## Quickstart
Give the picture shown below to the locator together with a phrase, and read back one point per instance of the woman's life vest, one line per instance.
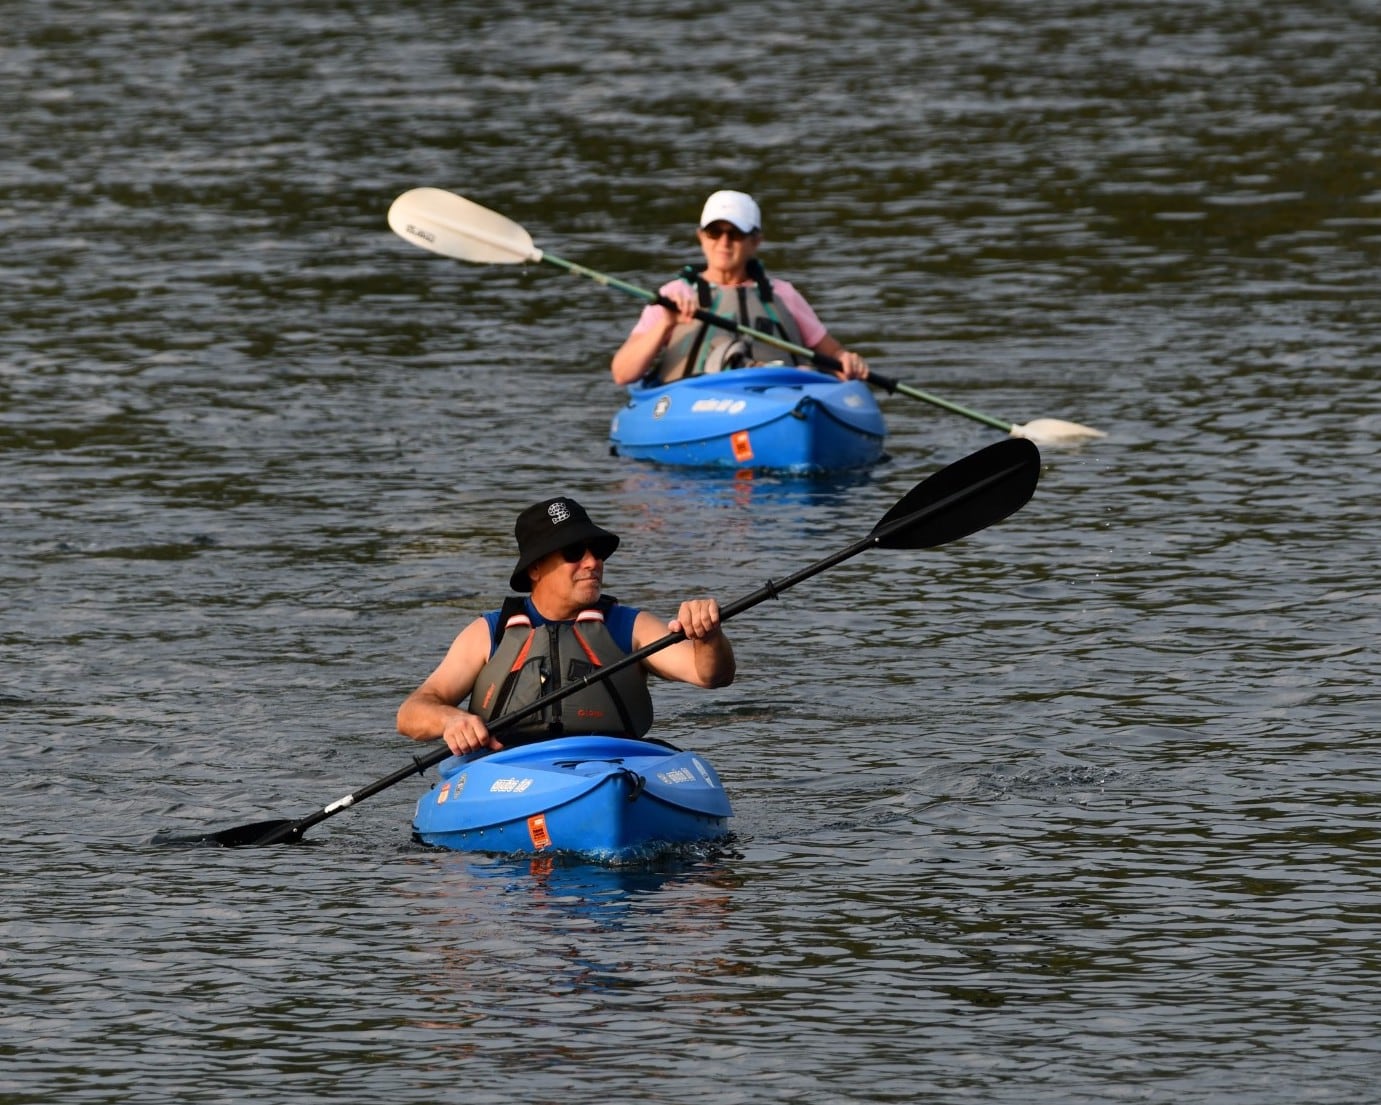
(699, 347)
(529, 661)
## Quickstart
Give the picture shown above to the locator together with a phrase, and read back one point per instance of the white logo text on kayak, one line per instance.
(718, 406)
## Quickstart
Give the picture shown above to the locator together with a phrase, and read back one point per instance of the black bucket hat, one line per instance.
(553, 524)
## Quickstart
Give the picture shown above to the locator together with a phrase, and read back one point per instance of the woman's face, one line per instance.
(726, 247)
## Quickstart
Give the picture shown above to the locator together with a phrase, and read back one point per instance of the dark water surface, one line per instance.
(1081, 809)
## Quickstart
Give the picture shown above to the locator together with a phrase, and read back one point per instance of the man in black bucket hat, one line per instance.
(551, 525)
(559, 631)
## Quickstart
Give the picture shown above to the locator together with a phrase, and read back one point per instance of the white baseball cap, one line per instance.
(733, 207)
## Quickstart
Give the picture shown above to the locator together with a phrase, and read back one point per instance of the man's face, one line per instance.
(573, 575)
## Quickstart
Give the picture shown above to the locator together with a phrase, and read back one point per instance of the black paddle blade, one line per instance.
(242, 836)
(969, 495)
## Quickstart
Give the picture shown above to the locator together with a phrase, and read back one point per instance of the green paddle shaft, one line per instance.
(453, 226)
(819, 360)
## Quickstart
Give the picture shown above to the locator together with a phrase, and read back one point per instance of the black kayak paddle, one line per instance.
(971, 494)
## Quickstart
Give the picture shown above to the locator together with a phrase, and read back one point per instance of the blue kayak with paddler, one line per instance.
(611, 797)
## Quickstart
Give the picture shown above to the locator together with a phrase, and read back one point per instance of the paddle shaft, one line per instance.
(420, 764)
(769, 590)
(443, 222)
(962, 498)
(819, 360)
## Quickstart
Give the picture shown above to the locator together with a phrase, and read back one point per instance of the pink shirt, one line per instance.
(785, 296)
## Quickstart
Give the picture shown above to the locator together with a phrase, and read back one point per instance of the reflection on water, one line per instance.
(1077, 809)
(599, 894)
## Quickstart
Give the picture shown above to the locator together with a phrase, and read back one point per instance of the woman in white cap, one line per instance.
(667, 345)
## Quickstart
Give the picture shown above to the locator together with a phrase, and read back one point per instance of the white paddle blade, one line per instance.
(1055, 431)
(453, 226)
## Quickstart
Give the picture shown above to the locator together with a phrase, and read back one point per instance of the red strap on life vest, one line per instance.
(589, 652)
(521, 658)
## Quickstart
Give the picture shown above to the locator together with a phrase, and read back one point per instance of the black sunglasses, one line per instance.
(718, 230)
(574, 554)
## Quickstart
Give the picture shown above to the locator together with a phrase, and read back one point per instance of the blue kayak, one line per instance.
(775, 417)
(606, 798)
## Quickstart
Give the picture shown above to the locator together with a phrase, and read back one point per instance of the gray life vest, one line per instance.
(696, 348)
(530, 661)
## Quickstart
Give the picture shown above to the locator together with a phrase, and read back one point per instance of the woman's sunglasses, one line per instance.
(719, 230)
